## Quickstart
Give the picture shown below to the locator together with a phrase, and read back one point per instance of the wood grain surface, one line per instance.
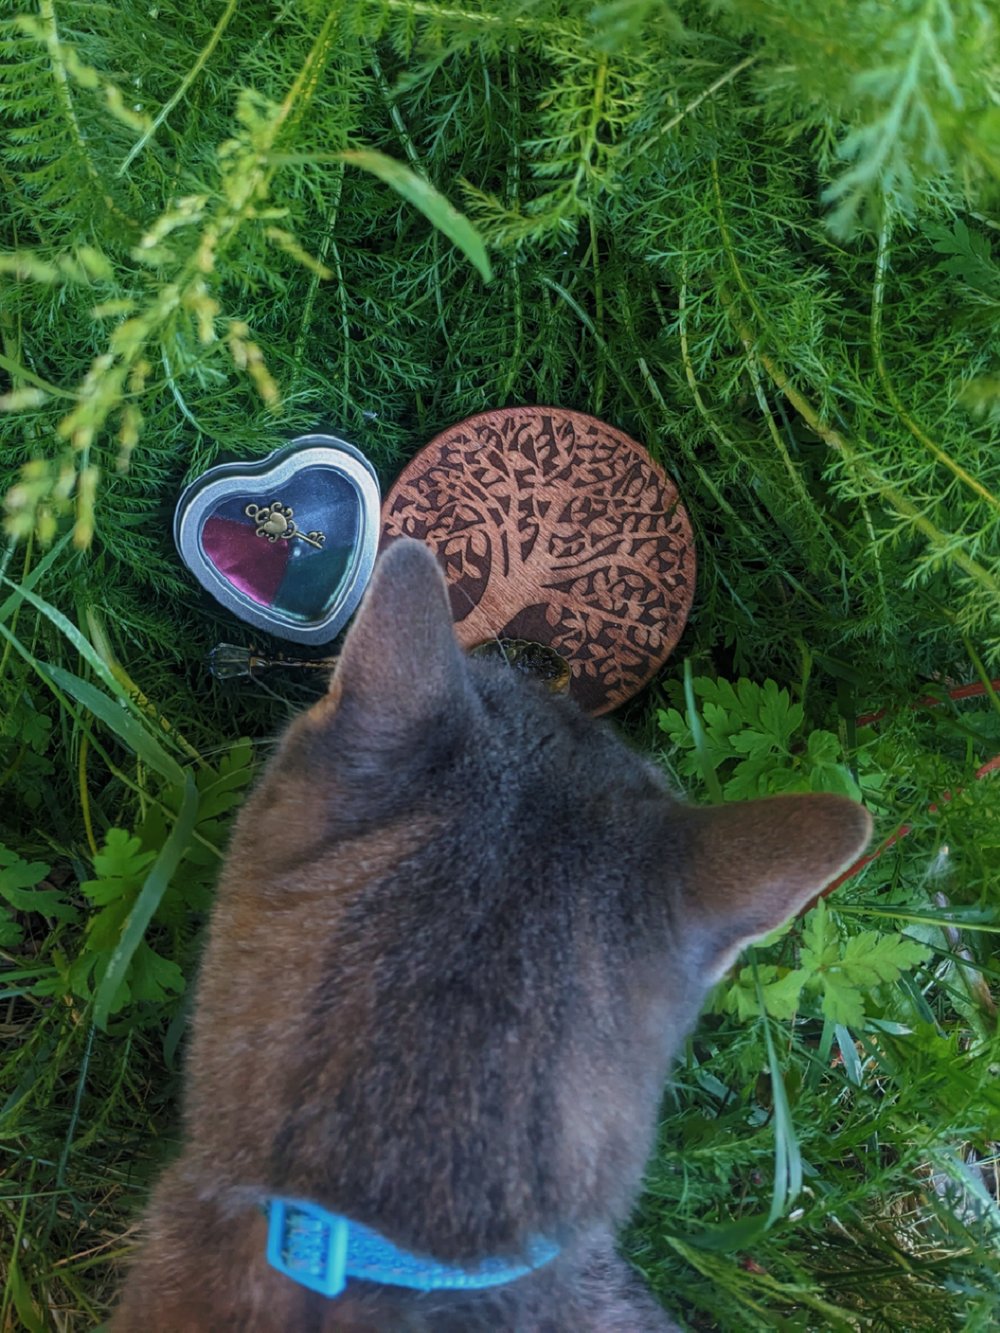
(554, 527)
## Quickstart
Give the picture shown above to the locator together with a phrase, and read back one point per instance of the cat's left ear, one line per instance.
(401, 664)
(755, 863)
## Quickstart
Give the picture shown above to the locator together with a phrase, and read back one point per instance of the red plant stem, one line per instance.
(931, 700)
(991, 766)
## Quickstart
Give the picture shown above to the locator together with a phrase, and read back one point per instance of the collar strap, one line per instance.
(321, 1250)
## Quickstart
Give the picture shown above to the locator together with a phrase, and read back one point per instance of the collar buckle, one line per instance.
(308, 1244)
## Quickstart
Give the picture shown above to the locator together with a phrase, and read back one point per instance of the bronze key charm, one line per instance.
(275, 522)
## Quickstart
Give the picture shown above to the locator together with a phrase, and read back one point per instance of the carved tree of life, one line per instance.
(554, 527)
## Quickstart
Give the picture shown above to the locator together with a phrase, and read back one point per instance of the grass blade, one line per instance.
(66, 627)
(434, 206)
(698, 736)
(14, 600)
(963, 918)
(24, 1302)
(849, 1055)
(125, 726)
(146, 903)
(787, 1157)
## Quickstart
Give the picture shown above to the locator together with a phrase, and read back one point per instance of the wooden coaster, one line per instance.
(554, 527)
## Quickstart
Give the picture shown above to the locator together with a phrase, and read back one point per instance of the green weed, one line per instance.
(758, 236)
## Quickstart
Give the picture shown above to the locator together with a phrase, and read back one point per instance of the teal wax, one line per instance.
(312, 580)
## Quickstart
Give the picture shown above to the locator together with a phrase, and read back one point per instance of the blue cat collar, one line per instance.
(321, 1250)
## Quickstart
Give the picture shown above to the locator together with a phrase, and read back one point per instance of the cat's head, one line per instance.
(463, 929)
(527, 788)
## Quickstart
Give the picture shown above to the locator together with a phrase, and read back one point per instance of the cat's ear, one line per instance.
(400, 662)
(756, 862)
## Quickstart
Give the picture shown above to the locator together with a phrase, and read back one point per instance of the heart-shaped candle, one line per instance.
(287, 543)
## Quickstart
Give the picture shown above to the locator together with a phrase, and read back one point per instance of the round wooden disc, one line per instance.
(554, 527)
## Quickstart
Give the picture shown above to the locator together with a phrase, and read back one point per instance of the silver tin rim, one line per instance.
(306, 451)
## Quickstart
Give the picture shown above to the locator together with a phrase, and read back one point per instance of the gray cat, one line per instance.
(460, 934)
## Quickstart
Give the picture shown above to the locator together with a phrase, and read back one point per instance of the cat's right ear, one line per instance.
(755, 863)
(401, 664)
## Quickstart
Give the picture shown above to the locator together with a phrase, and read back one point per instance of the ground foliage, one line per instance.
(760, 235)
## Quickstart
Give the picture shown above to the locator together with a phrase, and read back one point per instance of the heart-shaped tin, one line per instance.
(286, 543)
